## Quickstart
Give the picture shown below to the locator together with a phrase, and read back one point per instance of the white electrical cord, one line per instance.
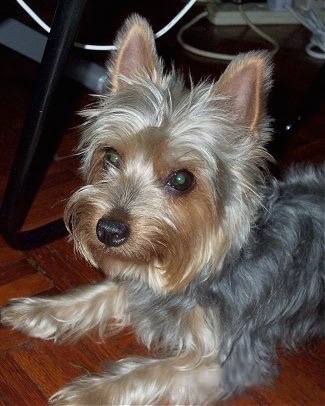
(46, 28)
(258, 31)
(216, 55)
(310, 20)
(198, 51)
(33, 15)
(175, 19)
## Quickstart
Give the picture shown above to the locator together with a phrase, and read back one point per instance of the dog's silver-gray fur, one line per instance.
(271, 292)
(213, 279)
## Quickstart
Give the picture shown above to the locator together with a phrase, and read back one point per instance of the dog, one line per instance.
(211, 260)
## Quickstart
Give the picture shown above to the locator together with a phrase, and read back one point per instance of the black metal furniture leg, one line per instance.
(24, 180)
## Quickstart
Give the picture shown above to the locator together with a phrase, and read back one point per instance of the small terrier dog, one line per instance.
(212, 261)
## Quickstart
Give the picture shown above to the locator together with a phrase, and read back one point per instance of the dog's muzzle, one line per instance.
(112, 232)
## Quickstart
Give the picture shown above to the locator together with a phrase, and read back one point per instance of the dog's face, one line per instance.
(171, 174)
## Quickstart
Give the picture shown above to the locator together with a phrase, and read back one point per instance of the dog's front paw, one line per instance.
(31, 316)
(87, 390)
(142, 381)
(104, 389)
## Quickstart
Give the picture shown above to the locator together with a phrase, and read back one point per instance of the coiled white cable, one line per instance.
(217, 55)
(312, 22)
(90, 47)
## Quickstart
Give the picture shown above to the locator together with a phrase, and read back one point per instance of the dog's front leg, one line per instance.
(68, 315)
(140, 381)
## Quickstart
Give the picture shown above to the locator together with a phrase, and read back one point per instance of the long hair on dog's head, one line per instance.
(175, 171)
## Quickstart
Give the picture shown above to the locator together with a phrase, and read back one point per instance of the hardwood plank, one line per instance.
(10, 338)
(15, 270)
(43, 366)
(16, 387)
(61, 266)
(49, 204)
(51, 365)
(8, 255)
(291, 388)
(307, 361)
(26, 286)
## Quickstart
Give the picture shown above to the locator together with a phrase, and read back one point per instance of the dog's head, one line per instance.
(172, 174)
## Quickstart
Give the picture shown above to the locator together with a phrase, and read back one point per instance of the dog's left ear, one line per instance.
(246, 82)
(136, 53)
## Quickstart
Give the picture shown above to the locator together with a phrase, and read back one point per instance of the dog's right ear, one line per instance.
(136, 53)
(246, 82)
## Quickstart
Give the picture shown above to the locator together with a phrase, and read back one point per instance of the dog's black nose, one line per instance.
(112, 232)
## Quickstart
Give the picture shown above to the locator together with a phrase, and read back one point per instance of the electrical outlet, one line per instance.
(258, 13)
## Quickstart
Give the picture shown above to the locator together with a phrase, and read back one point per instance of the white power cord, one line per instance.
(33, 15)
(258, 31)
(89, 47)
(307, 17)
(198, 51)
(216, 55)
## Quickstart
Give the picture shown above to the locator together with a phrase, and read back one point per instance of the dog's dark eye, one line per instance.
(112, 158)
(181, 181)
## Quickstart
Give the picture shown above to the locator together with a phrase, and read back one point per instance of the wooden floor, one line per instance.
(31, 370)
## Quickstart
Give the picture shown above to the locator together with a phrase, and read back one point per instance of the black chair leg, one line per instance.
(24, 179)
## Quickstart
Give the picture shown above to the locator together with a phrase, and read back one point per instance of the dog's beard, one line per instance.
(168, 244)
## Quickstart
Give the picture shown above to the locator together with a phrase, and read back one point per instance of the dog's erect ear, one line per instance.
(136, 53)
(246, 82)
